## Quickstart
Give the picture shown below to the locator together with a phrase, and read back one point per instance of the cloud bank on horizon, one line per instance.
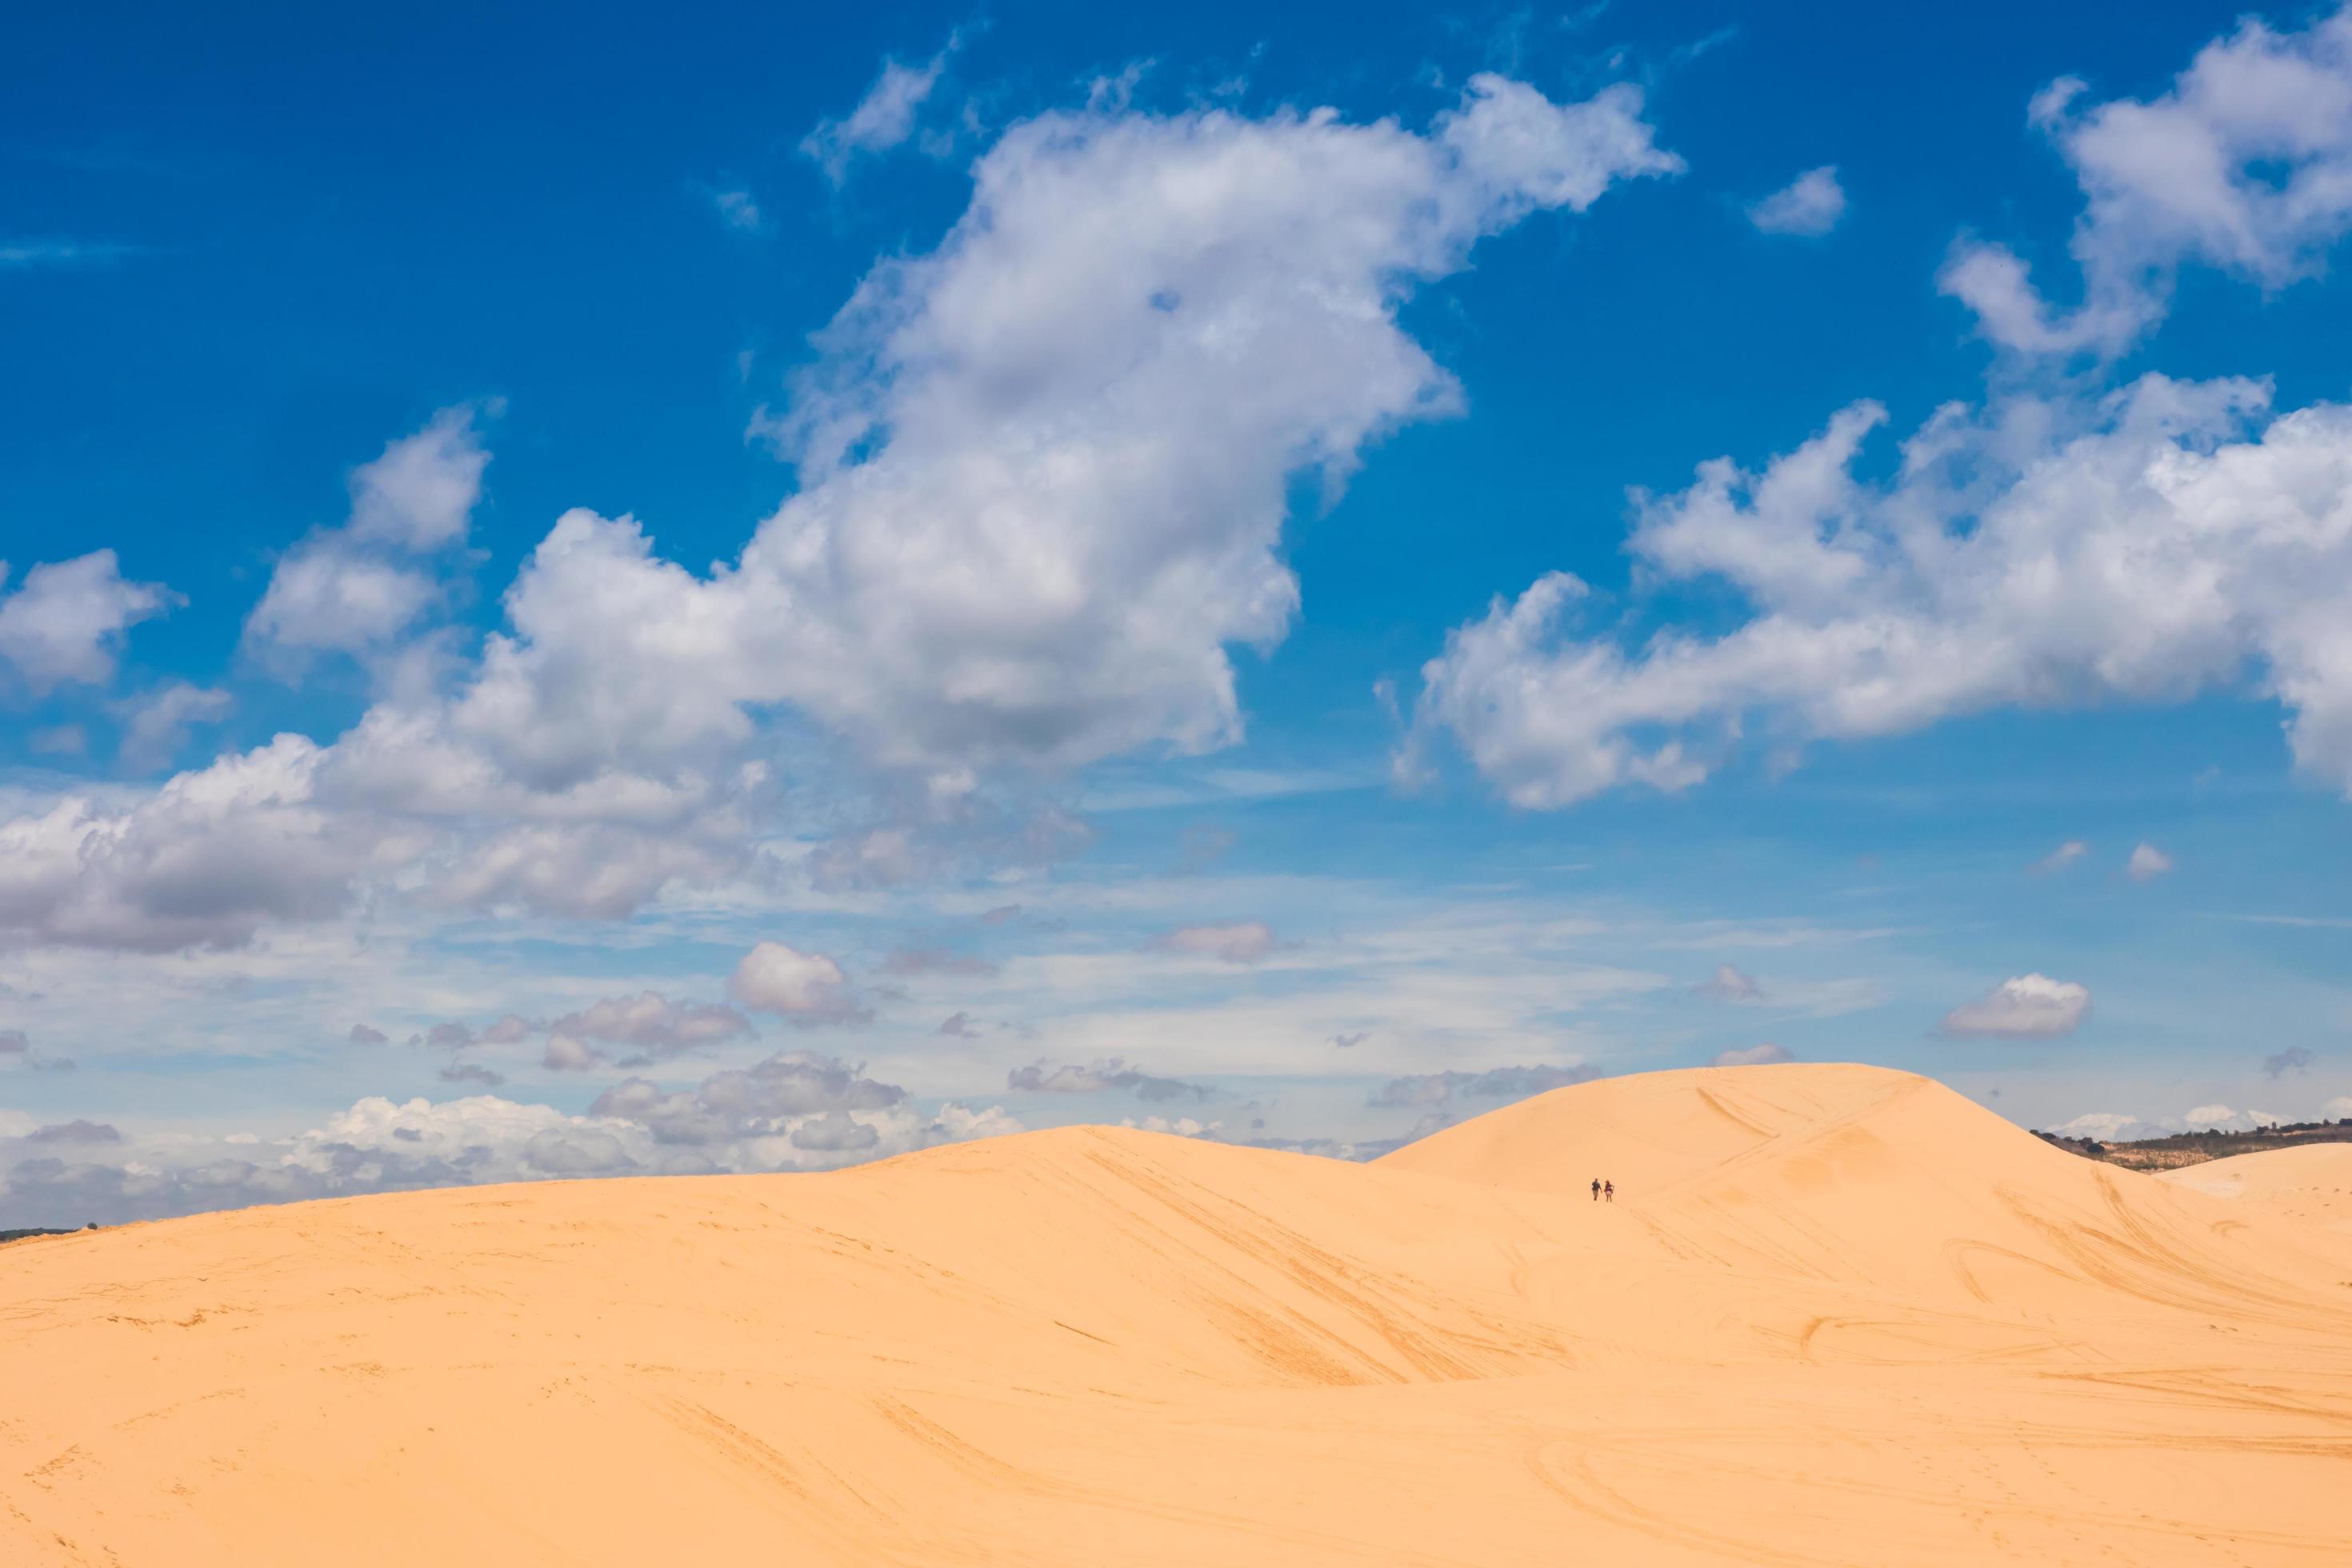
(1063, 480)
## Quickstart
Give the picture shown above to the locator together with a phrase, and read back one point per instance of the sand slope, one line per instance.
(1838, 1315)
(2311, 1183)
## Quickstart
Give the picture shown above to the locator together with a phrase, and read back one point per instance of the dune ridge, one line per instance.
(1837, 1315)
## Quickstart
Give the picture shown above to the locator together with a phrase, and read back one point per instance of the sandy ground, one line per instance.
(2311, 1183)
(1837, 1315)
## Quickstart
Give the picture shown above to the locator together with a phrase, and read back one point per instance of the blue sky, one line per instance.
(801, 586)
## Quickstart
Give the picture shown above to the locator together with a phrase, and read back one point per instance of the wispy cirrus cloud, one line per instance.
(1242, 941)
(1752, 1055)
(1730, 984)
(2294, 1058)
(883, 117)
(1426, 1090)
(2058, 859)
(738, 210)
(29, 254)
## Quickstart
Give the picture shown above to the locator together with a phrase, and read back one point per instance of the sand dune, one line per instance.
(2311, 1183)
(1838, 1315)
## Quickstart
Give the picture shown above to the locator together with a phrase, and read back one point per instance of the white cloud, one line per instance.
(1730, 984)
(2029, 1007)
(1181, 1127)
(2223, 1118)
(1507, 1083)
(2106, 1127)
(805, 988)
(2065, 855)
(2244, 164)
(202, 861)
(878, 858)
(835, 1133)
(1042, 1077)
(883, 117)
(2147, 863)
(1089, 402)
(793, 1105)
(568, 1053)
(438, 796)
(499, 1139)
(1045, 467)
(736, 209)
(1244, 942)
(908, 961)
(358, 587)
(322, 597)
(653, 1023)
(78, 1130)
(953, 823)
(64, 624)
(1810, 204)
(376, 1145)
(419, 496)
(2294, 1058)
(155, 724)
(32, 253)
(1432, 985)
(60, 741)
(1752, 1055)
(595, 870)
(2337, 1109)
(2157, 541)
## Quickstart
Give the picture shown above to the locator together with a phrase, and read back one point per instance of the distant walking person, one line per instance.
(1596, 1189)
(1610, 1188)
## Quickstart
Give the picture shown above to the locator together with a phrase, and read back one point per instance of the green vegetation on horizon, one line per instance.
(2194, 1148)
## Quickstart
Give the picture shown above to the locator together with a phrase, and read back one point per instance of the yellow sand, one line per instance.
(2311, 1183)
(1837, 1315)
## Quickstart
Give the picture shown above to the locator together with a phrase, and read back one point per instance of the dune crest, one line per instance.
(1838, 1315)
(1650, 1131)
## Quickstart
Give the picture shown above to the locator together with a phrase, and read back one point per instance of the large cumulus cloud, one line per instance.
(1045, 467)
(2170, 538)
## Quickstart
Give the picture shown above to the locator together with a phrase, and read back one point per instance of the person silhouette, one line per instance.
(1596, 1189)
(1610, 1189)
